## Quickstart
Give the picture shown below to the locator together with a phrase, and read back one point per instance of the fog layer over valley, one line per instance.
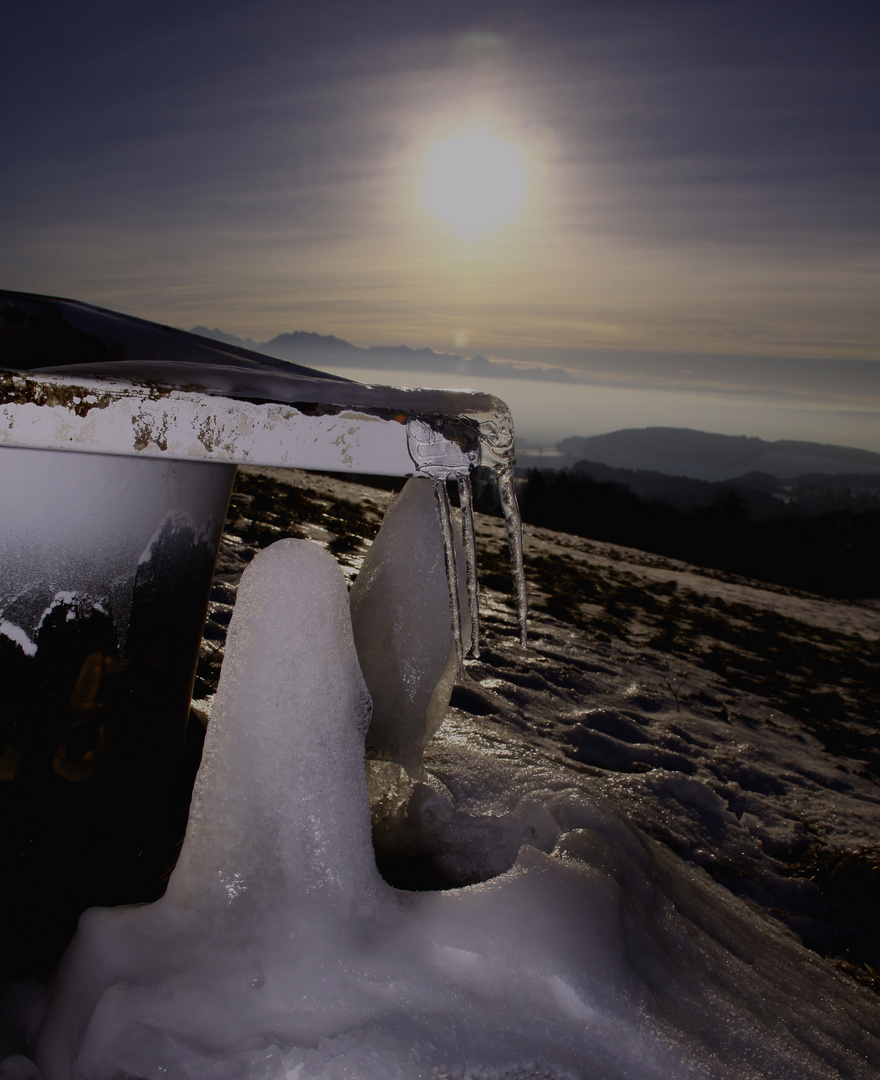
(561, 395)
(644, 846)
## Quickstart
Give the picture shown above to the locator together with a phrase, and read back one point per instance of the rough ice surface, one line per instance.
(402, 626)
(278, 953)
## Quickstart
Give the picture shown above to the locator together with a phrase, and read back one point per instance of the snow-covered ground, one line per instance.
(622, 838)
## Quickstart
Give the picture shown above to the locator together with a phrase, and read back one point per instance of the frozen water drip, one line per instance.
(466, 503)
(444, 513)
(513, 520)
(444, 448)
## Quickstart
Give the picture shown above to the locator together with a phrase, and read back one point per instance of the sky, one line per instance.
(697, 226)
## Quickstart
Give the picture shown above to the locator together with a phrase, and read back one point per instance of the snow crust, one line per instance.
(278, 951)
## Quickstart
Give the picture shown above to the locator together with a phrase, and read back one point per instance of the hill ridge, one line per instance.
(702, 455)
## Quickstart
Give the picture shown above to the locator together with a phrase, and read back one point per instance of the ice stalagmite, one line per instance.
(403, 629)
(299, 738)
(277, 854)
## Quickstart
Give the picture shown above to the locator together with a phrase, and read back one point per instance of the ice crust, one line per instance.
(278, 952)
(405, 641)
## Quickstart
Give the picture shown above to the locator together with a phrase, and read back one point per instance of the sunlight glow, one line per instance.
(474, 182)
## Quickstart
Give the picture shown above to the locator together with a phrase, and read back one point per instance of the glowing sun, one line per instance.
(474, 182)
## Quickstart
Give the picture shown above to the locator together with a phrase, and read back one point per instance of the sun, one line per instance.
(474, 182)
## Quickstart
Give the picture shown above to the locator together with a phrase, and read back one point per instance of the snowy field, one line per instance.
(647, 846)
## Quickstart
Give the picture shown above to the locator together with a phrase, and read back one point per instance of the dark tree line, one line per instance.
(834, 554)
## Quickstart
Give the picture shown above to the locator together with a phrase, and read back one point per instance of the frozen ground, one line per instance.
(666, 794)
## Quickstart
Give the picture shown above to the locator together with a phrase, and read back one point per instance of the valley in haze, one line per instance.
(834, 402)
(799, 512)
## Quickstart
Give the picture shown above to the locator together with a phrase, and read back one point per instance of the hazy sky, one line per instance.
(702, 178)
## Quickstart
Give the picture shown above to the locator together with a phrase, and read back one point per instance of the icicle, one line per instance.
(445, 514)
(443, 447)
(512, 518)
(465, 498)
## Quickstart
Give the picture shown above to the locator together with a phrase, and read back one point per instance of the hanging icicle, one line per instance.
(444, 512)
(466, 502)
(513, 520)
(444, 448)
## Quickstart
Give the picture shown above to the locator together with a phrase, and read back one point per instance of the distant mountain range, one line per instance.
(703, 456)
(319, 350)
(672, 452)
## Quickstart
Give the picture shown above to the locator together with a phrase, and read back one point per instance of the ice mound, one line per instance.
(280, 801)
(405, 643)
(278, 953)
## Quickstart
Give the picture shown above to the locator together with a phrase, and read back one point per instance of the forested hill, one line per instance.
(707, 456)
(832, 553)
